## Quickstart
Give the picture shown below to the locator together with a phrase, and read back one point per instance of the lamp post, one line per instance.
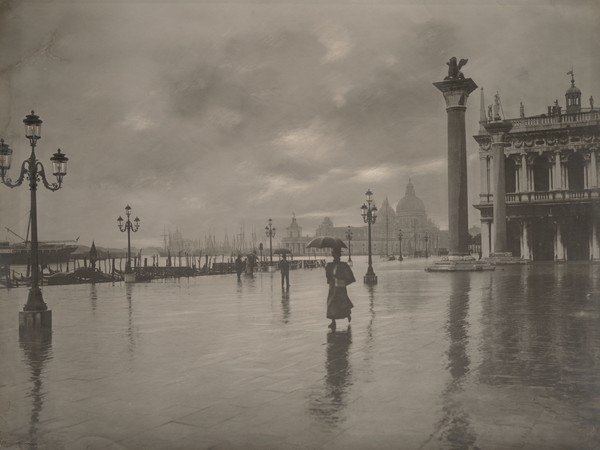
(426, 238)
(270, 232)
(35, 314)
(400, 258)
(129, 227)
(349, 237)
(369, 215)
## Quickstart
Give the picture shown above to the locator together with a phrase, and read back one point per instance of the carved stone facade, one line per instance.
(552, 183)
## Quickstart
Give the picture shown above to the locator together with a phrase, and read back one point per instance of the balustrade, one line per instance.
(545, 196)
(585, 116)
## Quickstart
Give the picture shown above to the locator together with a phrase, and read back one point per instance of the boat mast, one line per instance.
(20, 237)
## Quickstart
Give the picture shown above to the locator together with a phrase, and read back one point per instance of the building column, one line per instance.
(556, 173)
(497, 130)
(564, 179)
(594, 243)
(591, 170)
(523, 174)
(559, 247)
(594, 179)
(485, 239)
(483, 173)
(525, 249)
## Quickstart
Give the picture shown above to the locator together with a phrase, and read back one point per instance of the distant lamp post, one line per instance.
(349, 237)
(35, 314)
(369, 215)
(260, 249)
(426, 238)
(270, 232)
(127, 226)
(400, 258)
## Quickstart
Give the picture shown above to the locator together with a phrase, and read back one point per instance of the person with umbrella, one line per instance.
(239, 266)
(339, 275)
(284, 267)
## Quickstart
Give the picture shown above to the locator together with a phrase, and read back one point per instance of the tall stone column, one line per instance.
(456, 91)
(497, 130)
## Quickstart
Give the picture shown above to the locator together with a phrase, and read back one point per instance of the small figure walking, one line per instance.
(339, 275)
(284, 267)
(239, 267)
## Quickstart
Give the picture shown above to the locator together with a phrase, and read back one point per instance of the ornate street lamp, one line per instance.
(400, 258)
(426, 238)
(369, 215)
(129, 227)
(349, 237)
(35, 313)
(270, 232)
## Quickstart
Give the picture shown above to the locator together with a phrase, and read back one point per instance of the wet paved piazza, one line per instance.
(494, 360)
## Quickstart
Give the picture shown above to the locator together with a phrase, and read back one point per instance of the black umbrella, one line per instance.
(326, 242)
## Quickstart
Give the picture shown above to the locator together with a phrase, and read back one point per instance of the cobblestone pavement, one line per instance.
(497, 360)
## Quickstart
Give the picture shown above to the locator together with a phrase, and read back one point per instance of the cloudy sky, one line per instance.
(210, 115)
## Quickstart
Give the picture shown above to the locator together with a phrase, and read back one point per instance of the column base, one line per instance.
(457, 263)
(370, 278)
(34, 321)
(505, 258)
(130, 277)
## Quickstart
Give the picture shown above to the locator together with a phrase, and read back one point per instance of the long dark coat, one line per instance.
(338, 303)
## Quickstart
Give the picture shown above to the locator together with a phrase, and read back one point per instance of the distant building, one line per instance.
(419, 233)
(551, 178)
(293, 239)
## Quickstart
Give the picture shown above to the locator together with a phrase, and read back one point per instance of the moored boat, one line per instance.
(49, 252)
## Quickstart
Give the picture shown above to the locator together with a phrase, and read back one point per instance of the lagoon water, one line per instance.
(491, 360)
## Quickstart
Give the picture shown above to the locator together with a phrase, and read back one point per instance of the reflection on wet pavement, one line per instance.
(504, 359)
(37, 351)
(329, 403)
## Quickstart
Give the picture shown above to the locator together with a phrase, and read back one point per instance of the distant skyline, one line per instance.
(209, 115)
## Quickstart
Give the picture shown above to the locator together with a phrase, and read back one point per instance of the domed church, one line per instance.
(419, 233)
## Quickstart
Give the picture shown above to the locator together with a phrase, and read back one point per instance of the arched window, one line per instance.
(576, 172)
(510, 175)
(541, 174)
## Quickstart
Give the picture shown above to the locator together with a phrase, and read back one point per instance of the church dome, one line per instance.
(410, 203)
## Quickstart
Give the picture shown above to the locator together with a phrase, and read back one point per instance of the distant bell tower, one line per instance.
(573, 96)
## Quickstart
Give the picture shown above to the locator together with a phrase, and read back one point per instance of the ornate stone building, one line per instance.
(551, 182)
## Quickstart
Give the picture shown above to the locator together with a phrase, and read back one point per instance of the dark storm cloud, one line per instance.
(206, 115)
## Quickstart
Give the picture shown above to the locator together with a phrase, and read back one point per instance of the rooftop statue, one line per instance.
(454, 72)
(497, 107)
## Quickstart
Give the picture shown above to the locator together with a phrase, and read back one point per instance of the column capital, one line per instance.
(456, 92)
(498, 130)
